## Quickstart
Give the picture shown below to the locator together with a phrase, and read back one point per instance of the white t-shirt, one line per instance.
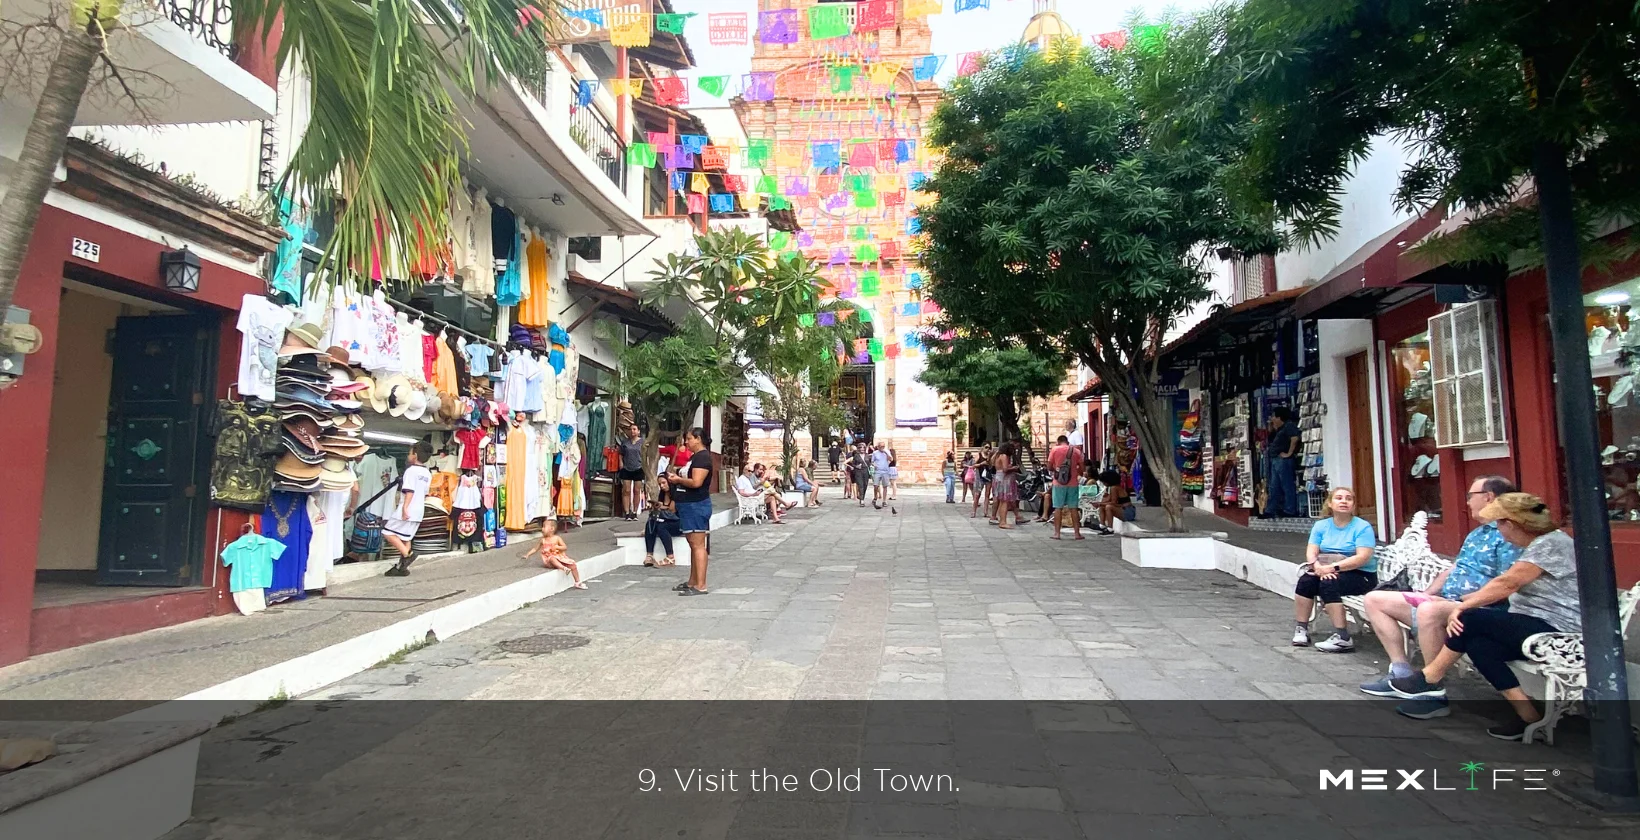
(744, 485)
(417, 480)
(1075, 437)
(262, 323)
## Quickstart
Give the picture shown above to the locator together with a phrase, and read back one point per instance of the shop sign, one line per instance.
(88, 251)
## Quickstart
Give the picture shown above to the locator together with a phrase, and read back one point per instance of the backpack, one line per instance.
(1063, 473)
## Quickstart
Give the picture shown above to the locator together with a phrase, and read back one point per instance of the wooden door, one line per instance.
(152, 505)
(1358, 382)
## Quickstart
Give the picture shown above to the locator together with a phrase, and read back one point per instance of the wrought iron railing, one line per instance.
(594, 134)
(211, 21)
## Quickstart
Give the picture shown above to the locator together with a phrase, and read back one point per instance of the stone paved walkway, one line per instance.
(1217, 729)
(926, 604)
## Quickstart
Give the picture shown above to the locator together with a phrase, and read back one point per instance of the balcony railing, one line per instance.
(594, 134)
(211, 21)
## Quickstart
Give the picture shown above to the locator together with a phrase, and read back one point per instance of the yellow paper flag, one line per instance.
(789, 153)
(699, 183)
(885, 72)
(922, 8)
(630, 29)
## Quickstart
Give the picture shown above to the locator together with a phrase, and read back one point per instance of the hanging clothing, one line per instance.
(247, 440)
(327, 511)
(597, 435)
(458, 363)
(286, 277)
(349, 328)
(517, 469)
(250, 564)
(509, 289)
(286, 519)
(535, 311)
(543, 475)
(443, 488)
(384, 336)
(461, 230)
(262, 326)
(478, 275)
(444, 368)
(377, 471)
(569, 482)
(429, 359)
(472, 447)
(410, 349)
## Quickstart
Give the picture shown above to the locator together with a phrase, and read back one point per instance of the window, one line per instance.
(1417, 460)
(1468, 395)
(1614, 359)
(589, 248)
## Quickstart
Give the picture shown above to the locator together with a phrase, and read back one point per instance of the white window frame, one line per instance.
(1447, 371)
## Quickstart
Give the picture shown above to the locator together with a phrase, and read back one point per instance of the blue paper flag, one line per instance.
(913, 280)
(695, 143)
(592, 16)
(970, 5)
(910, 309)
(583, 93)
(917, 180)
(723, 202)
(902, 151)
(828, 155)
(927, 67)
(680, 180)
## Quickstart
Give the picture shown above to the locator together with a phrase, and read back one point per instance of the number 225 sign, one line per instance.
(88, 251)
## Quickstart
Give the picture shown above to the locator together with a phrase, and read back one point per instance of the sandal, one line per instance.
(670, 561)
(649, 560)
(680, 587)
(690, 590)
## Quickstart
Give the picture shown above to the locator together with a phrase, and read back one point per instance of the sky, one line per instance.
(979, 29)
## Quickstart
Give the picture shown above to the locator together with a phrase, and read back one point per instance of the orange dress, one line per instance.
(518, 453)
(535, 310)
(444, 368)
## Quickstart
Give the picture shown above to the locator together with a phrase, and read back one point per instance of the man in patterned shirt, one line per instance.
(1485, 555)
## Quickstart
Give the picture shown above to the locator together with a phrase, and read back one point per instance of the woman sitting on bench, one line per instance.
(1338, 562)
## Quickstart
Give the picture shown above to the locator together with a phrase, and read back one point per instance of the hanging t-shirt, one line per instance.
(534, 376)
(478, 358)
(250, 561)
(472, 447)
(262, 326)
(410, 353)
(376, 471)
(429, 359)
(384, 336)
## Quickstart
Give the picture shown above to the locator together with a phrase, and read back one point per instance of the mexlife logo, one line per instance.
(1472, 775)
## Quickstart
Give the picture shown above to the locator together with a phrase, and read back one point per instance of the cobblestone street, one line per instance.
(927, 604)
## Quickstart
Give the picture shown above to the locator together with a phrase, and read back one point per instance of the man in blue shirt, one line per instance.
(1281, 466)
(1485, 555)
(879, 475)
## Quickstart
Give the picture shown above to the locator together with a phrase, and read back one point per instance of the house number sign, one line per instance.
(88, 251)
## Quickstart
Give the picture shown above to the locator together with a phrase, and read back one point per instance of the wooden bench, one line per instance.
(1558, 659)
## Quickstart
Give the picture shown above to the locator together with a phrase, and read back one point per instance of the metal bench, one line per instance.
(1558, 659)
(1409, 553)
(751, 507)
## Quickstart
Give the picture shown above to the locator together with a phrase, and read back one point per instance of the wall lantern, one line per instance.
(180, 269)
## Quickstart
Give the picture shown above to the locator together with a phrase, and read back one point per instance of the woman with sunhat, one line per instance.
(1541, 589)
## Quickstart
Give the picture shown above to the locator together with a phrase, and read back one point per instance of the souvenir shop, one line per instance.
(337, 385)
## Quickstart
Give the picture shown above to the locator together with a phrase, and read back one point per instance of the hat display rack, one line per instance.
(317, 402)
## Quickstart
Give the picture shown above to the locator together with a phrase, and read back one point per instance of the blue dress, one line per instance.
(285, 519)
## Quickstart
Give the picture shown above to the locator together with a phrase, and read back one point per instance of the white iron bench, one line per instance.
(1558, 659)
(751, 507)
(1409, 553)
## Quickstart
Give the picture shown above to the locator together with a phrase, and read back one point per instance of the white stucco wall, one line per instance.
(1368, 210)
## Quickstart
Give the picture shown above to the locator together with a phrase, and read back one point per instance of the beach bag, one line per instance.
(1062, 475)
(366, 535)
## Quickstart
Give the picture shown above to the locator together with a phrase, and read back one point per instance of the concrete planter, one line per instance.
(1154, 550)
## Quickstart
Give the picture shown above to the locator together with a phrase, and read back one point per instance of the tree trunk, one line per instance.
(1007, 416)
(788, 449)
(1607, 695)
(1149, 417)
(42, 148)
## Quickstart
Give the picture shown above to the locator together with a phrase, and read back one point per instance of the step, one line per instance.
(131, 780)
(1282, 525)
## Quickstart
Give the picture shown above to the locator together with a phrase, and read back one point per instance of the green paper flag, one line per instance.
(714, 85)
(875, 345)
(779, 202)
(870, 284)
(767, 185)
(859, 181)
(779, 240)
(757, 154)
(1149, 38)
(865, 199)
(866, 253)
(842, 78)
(640, 154)
(792, 256)
(827, 22)
(805, 320)
(860, 232)
(672, 23)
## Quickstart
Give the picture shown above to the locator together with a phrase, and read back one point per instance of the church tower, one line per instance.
(1046, 26)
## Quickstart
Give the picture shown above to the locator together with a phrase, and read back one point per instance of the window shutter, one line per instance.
(1464, 364)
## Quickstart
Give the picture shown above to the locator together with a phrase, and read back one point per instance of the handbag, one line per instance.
(1129, 513)
(366, 536)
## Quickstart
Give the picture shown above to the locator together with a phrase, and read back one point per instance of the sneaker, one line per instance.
(397, 571)
(1301, 637)
(1378, 688)
(1425, 708)
(1509, 730)
(1416, 686)
(1337, 644)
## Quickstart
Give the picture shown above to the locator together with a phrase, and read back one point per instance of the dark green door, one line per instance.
(152, 507)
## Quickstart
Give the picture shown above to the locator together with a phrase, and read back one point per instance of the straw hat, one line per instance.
(293, 467)
(342, 382)
(392, 395)
(338, 355)
(342, 446)
(335, 475)
(350, 422)
(366, 394)
(1524, 509)
(415, 404)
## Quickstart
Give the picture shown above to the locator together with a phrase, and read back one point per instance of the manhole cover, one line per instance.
(545, 643)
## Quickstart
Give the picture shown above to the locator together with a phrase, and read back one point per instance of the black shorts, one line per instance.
(630, 475)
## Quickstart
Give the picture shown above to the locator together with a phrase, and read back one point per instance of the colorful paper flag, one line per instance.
(827, 155)
(859, 232)
(695, 143)
(640, 154)
(672, 23)
(862, 155)
(759, 87)
(630, 29)
(779, 240)
(873, 15)
(968, 63)
(726, 29)
(805, 320)
(734, 183)
(677, 157)
(766, 185)
(926, 68)
(970, 5)
(859, 181)
(828, 21)
(584, 91)
(723, 203)
(922, 8)
(885, 73)
(696, 203)
(866, 253)
(1111, 40)
(713, 85)
(712, 157)
(842, 77)
(699, 183)
(839, 256)
(865, 199)
(671, 90)
(913, 280)
(797, 186)
(827, 319)
(1150, 38)
(891, 350)
(912, 308)
(875, 345)
(592, 16)
(757, 153)
(777, 26)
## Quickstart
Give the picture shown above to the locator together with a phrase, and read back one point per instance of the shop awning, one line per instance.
(1414, 269)
(1252, 317)
(1369, 280)
(1094, 389)
(625, 306)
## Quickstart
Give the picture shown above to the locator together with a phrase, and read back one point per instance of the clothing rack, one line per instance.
(428, 316)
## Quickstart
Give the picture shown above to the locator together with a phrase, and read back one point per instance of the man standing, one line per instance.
(834, 455)
(692, 489)
(1485, 555)
(405, 518)
(631, 472)
(1065, 462)
(880, 463)
(1281, 466)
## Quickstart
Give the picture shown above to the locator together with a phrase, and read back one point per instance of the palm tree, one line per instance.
(384, 138)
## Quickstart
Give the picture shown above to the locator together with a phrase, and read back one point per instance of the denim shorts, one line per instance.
(695, 517)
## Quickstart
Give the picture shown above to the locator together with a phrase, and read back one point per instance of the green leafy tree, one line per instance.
(754, 312)
(1071, 216)
(974, 368)
(1524, 111)
(673, 376)
(385, 134)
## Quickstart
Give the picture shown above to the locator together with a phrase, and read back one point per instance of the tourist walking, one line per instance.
(879, 475)
(893, 474)
(834, 457)
(859, 472)
(948, 470)
(967, 476)
(692, 488)
(400, 527)
(631, 473)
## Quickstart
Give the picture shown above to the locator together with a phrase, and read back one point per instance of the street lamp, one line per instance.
(180, 270)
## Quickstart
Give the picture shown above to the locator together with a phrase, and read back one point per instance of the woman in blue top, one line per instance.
(1338, 562)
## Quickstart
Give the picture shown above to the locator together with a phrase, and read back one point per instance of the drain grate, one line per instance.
(545, 643)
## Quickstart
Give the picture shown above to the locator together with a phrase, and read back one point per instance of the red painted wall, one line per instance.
(129, 263)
